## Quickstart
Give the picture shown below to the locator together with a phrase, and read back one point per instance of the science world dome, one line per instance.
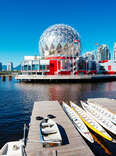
(59, 39)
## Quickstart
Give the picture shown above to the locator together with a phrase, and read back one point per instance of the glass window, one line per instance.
(66, 65)
(81, 65)
(35, 67)
(25, 67)
(29, 67)
(42, 67)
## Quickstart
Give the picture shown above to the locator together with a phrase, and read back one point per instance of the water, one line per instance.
(16, 103)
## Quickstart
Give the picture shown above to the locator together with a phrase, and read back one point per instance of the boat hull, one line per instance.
(104, 111)
(107, 124)
(78, 123)
(50, 135)
(14, 148)
(91, 123)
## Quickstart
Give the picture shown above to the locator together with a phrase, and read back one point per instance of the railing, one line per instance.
(55, 77)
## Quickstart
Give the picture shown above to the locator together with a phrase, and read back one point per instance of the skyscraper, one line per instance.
(115, 51)
(10, 66)
(89, 56)
(103, 53)
(0, 66)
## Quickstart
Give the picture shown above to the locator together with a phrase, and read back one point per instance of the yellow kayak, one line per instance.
(90, 122)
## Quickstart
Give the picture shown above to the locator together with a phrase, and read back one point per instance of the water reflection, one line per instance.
(101, 142)
(66, 92)
(16, 103)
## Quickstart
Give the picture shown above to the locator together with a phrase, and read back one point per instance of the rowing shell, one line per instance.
(78, 123)
(104, 111)
(90, 122)
(99, 118)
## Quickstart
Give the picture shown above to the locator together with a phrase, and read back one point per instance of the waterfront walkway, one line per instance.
(74, 144)
(65, 78)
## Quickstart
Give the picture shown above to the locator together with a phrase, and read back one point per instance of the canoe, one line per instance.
(78, 123)
(102, 120)
(104, 111)
(14, 148)
(49, 133)
(90, 122)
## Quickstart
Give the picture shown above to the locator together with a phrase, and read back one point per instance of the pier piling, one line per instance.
(3, 77)
(9, 78)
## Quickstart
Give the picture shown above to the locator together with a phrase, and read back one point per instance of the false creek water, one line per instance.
(17, 99)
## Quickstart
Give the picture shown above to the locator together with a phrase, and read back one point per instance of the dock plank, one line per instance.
(76, 145)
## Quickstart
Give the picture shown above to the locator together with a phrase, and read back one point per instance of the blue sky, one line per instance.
(23, 21)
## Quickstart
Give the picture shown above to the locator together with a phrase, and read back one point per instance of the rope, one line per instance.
(37, 141)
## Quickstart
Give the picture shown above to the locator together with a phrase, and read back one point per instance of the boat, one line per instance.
(78, 123)
(14, 148)
(102, 120)
(90, 122)
(104, 111)
(49, 133)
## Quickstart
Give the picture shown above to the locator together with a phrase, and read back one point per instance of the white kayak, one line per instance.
(90, 122)
(78, 123)
(104, 111)
(14, 148)
(49, 133)
(102, 120)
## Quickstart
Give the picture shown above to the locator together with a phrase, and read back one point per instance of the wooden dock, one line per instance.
(75, 144)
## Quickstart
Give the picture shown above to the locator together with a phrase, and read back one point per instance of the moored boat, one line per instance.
(14, 148)
(104, 111)
(102, 120)
(78, 123)
(49, 133)
(90, 122)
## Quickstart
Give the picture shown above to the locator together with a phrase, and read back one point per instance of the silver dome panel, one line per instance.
(58, 40)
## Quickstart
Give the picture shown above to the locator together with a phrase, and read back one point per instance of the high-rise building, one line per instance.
(103, 53)
(0, 66)
(115, 51)
(89, 56)
(10, 66)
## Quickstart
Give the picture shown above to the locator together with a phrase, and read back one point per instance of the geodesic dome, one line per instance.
(59, 39)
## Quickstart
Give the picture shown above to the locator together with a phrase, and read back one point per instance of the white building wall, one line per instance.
(27, 58)
(110, 63)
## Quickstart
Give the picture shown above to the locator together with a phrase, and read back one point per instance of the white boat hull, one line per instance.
(14, 148)
(49, 133)
(78, 123)
(104, 111)
(100, 118)
(91, 123)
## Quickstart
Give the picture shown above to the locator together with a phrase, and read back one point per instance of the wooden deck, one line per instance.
(75, 144)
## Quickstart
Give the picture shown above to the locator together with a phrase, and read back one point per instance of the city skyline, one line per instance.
(23, 22)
